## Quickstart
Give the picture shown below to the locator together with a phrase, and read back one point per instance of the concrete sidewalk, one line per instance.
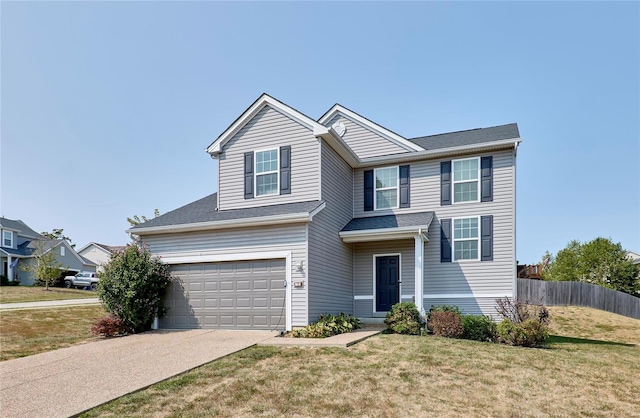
(48, 304)
(71, 380)
(341, 340)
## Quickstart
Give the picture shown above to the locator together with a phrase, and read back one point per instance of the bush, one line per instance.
(132, 286)
(530, 333)
(445, 324)
(109, 326)
(328, 325)
(518, 311)
(479, 328)
(404, 318)
(442, 308)
(4, 281)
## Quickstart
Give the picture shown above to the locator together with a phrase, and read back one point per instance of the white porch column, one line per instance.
(419, 273)
(9, 271)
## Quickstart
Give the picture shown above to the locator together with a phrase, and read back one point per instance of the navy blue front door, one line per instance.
(387, 282)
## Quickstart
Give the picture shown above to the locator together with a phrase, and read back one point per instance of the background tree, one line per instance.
(137, 220)
(44, 265)
(132, 286)
(600, 262)
(57, 234)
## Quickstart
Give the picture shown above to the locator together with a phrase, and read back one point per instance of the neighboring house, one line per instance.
(14, 249)
(99, 254)
(19, 242)
(336, 215)
(633, 256)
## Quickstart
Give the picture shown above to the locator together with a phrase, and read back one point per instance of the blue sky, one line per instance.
(106, 107)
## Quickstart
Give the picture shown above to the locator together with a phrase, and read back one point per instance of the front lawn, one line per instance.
(590, 369)
(11, 294)
(32, 331)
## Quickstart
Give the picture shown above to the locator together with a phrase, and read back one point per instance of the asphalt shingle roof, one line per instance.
(20, 226)
(390, 221)
(204, 210)
(470, 137)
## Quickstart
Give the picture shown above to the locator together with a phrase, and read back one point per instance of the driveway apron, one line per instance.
(71, 380)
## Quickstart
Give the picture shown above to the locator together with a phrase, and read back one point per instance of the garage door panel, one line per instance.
(242, 295)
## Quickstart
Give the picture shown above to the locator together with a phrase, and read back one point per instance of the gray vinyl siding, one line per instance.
(330, 260)
(363, 253)
(244, 240)
(267, 130)
(460, 280)
(363, 141)
(473, 306)
(70, 261)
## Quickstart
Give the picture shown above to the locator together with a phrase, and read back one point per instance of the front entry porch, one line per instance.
(388, 257)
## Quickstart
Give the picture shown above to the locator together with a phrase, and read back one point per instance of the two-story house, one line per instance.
(336, 215)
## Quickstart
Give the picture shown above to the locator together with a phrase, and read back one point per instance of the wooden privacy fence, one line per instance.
(579, 294)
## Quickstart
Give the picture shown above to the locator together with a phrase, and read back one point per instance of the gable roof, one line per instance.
(468, 137)
(370, 125)
(18, 225)
(264, 100)
(50, 244)
(106, 248)
(203, 213)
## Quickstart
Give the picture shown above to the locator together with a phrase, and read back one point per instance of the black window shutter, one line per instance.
(445, 240)
(285, 170)
(248, 175)
(486, 245)
(368, 190)
(404, 186)
(486, 175)
(445, 183)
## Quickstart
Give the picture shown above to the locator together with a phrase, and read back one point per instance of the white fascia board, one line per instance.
(440, 153)
(265, 100)
(316, 210)
(337, 143)
(231, 223)
(367, 124)
(382, 234)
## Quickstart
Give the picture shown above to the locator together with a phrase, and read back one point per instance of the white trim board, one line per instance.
(466, 295)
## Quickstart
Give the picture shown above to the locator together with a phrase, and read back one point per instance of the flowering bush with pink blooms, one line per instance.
(132, 286)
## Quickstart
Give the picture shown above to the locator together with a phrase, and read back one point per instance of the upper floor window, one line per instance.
(466, 239)
(7, 239)
(386, 188)
(466, 175)
(266, 172)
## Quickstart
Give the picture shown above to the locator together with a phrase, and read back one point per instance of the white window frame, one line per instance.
(62, 250)
(454, 182)
(375, 279)
(276, 172)
(375, 188)
(454, 240)
(10, 239)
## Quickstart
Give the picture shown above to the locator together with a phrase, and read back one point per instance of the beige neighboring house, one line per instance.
(99, 253)
(633, 256)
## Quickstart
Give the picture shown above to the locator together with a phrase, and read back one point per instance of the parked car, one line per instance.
(82, 279)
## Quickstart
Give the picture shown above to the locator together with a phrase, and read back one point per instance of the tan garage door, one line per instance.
(238, 295)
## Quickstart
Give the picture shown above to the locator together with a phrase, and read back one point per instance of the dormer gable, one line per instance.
(365, 137)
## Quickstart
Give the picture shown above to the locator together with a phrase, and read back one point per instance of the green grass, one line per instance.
(12, 294)
(32, 331)
(588, 370)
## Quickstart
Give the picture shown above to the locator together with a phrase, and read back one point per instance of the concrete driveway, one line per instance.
(71, 380)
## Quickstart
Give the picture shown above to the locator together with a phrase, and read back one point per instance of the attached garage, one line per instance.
(242, 294)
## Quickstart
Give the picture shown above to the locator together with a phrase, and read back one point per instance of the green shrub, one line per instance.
(404, 318)
(445, 324)
(530, 333)
(132, 286)
(479, 328)
(4, 281)
(328, 325)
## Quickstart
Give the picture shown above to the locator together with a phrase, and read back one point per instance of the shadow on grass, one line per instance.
(558, 339)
